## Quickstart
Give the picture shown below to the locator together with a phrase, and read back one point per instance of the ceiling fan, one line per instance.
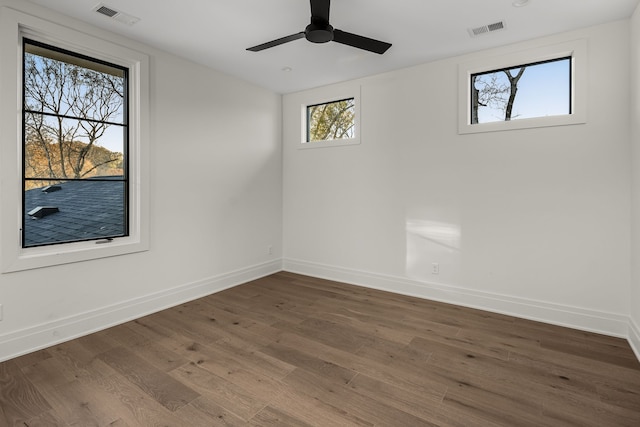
(320, 31)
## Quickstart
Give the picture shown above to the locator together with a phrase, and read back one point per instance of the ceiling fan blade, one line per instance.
(277, 42)
(360, 42)
(320, 9)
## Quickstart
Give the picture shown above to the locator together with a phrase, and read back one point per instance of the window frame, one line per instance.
(308, 123)
(14, 26)
(124, 125)
(326, 97)
(576, 50)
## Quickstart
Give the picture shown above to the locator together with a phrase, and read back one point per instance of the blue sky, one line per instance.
(112, 139)
(543, 90)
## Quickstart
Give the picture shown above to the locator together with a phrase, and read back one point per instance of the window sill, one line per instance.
(46, 256)
(329, 143)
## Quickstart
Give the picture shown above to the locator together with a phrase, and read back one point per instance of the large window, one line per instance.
(74, 114)
(75, 134)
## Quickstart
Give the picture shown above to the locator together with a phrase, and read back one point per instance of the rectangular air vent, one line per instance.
(486, 29)
(116, 15)
(107, 11)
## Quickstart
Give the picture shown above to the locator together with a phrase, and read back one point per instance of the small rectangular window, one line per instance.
(524, 88)
(539, 89)
(331, 121)
(75, 143)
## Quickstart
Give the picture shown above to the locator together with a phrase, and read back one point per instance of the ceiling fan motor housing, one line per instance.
(319, 31)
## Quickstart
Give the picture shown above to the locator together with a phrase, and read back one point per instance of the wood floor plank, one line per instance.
(159, 356)
(565, 409)
(232, 324)
(408, 380)
(273, 417)
(221, 359)
(46, 419)
(75, 397)
(582, 349)
(310, 410)
(472, 345)
(505, 339)
(309, 362)
(79, 362)
(138, 408)
(185, 323)
(206, 412)
(372, 410)
(78, 404)
(400, 398)
(228, 395)
(255, 359)
(387, 352)
(163, 388)
(543, 378)
(32, 358)
(329, 333)
(19, 399)
(299, 351)
(494, 404)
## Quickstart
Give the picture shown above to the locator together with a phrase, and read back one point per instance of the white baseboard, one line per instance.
(557, 314)
(634, 337)
(45, 335)
(21, 342)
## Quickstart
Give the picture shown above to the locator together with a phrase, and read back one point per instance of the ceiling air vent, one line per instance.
(107, 11)
(486, 29)
(116, 15)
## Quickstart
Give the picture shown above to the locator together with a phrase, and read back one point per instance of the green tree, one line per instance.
(334, 120)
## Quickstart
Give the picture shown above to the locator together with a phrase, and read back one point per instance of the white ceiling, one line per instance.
(216, 33)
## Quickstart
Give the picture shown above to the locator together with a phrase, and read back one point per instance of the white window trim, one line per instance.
(576, 49)
(15, 25)
(330, 95)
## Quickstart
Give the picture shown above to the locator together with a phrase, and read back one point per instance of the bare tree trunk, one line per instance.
(475, 97)
(513, 81)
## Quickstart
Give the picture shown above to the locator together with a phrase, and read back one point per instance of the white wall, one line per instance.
(634, 335)
(216, 206)
(530, 222)
(533, 222)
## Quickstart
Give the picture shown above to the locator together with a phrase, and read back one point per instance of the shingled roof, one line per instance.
(87, 209)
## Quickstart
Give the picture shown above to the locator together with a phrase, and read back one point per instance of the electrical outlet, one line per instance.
(435, 268)
(0, 311)
(270, 250)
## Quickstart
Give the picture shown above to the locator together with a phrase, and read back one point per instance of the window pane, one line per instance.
(72, 149)
(330, 121)
(74, 210)
(64, 88)
(525, 91)
(75, 147)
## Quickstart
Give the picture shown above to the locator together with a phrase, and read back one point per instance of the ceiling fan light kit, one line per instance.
(320, 31)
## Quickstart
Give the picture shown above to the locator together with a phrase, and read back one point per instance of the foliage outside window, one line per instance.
(531, 90)
(75, 136)
(331, 121)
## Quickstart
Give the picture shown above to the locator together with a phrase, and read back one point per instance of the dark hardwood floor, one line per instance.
(289, 350)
